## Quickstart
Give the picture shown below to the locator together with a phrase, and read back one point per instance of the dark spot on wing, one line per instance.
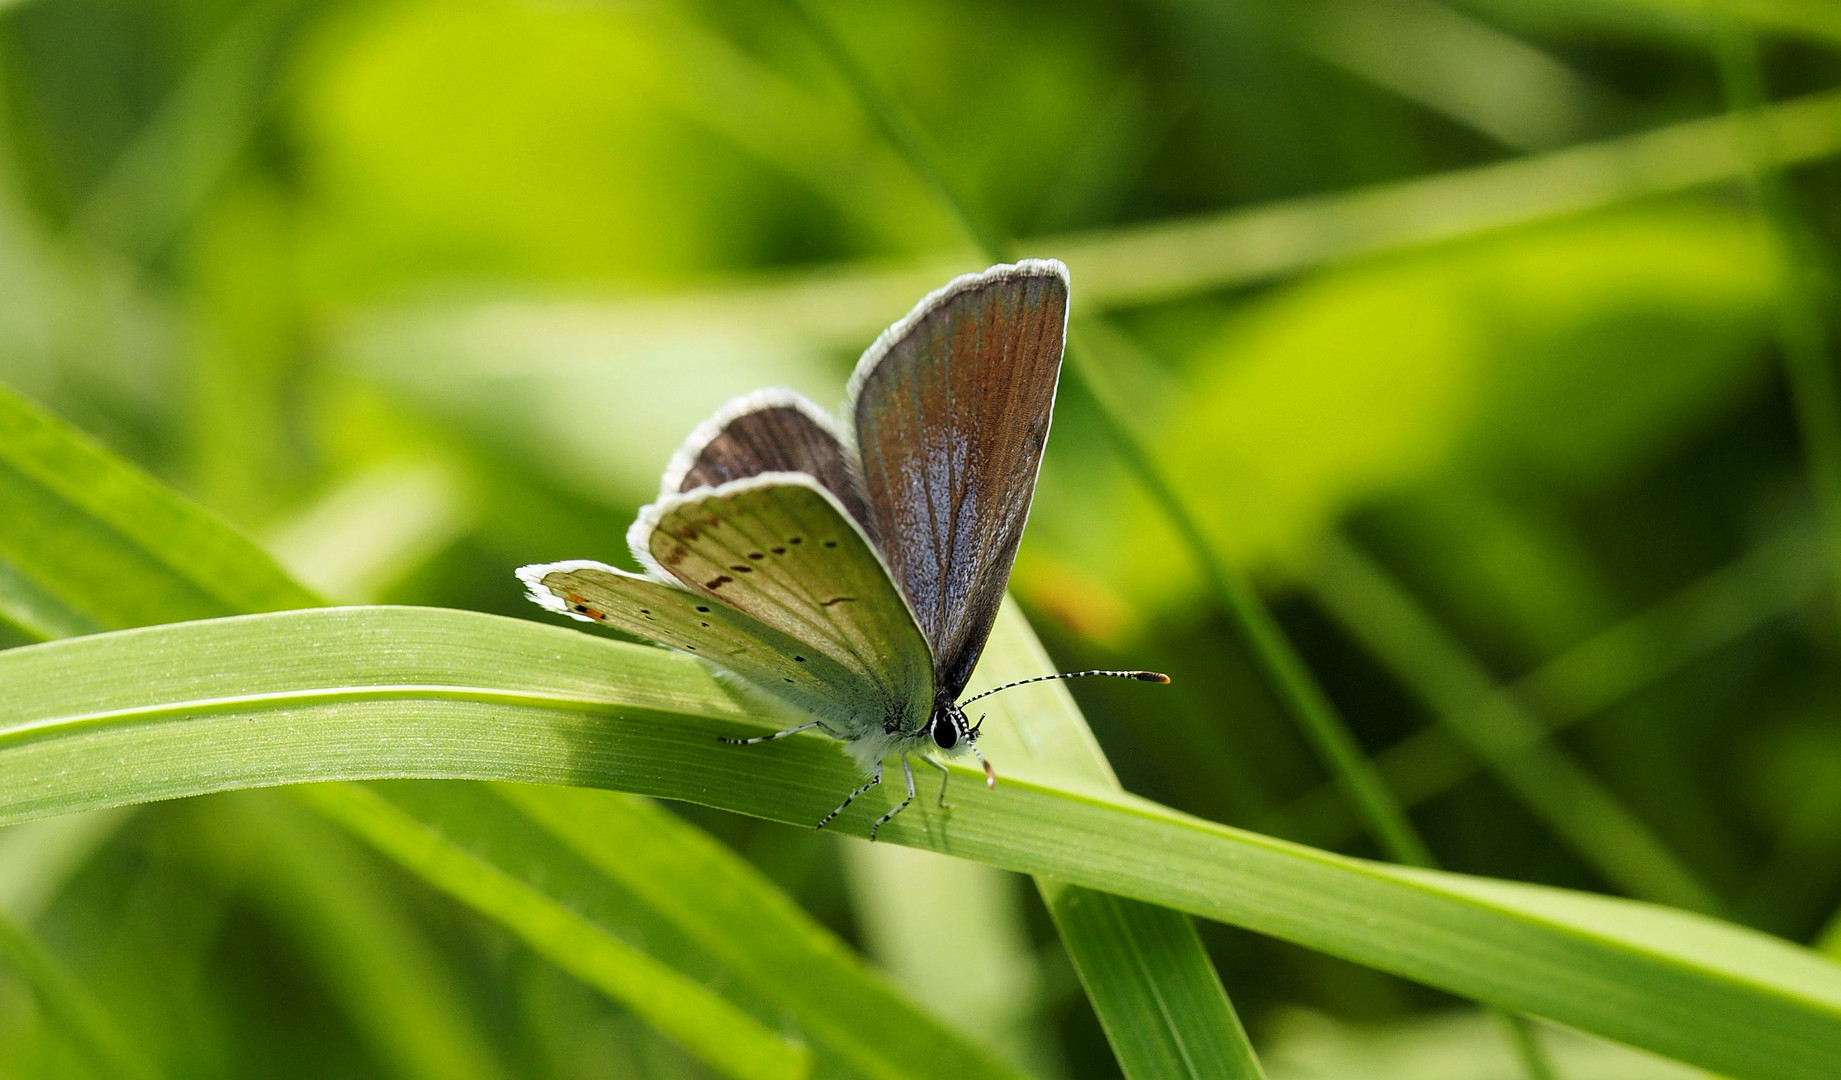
(703, 624)
(700, 607)
(676, 554)
(778, 550)
(756, 555)
(742, 569)
(789, 680)
(830, 543)
(718, 581)
(836, 600)
(796, 540)
(800, 659)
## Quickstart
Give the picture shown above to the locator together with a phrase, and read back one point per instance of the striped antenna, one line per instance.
(1141, 676)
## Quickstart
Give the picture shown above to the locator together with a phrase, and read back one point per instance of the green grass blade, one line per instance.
(842, 306)
(69, 1007)
(1802, 329)
(1155, 1033)
(71, 504)
(727, 908)
(1152, 985)
(394, 986)
(178, 710)
(1495, 727)
(1709, 614)
(699, 1020)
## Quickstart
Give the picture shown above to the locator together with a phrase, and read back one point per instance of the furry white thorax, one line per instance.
(871, 750)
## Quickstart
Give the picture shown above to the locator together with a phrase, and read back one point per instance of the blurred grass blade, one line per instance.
(37, 858)
(703, 1023)
(70, 1008)
(71, 504)
(1154, 1033)
(163, 176)
(1150, 263)
(1450, 62)
(396, 990)
(1313, 714)
(1802, 329)
(1712, 613)
(177, 710)
(729, 910)
(989, 983)
(1494, 726)
(842, 306)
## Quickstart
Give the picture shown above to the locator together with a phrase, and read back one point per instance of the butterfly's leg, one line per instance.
(945, 775)
(873, 781)
(770, 738)
(884, 819)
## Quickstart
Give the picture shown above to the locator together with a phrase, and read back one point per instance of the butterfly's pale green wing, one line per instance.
(681, 619)
(779, 547)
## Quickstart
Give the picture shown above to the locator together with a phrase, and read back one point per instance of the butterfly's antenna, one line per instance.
(1141, 676)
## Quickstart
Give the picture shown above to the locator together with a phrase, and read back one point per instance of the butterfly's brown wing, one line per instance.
(766, 431)
(949, 412)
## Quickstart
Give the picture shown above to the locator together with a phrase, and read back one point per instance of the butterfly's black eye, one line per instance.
(945, 733)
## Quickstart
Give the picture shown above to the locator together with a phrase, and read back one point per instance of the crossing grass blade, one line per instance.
(368, 692)
(71, 504)
(736, 918)
(697, 1018)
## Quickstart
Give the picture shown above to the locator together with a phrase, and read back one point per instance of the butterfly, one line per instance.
(853, 568)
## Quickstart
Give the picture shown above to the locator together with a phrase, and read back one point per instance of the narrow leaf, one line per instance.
(71, 504)
(179, 710)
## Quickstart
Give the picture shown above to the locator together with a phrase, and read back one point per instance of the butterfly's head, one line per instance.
(950, 730)
(954, 733)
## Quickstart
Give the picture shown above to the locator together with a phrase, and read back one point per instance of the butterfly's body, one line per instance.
(854, 572)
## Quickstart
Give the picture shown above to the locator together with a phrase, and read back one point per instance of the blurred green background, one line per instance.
(1458, 327)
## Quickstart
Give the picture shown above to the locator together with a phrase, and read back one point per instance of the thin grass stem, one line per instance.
(1802, 332)
(1593, 676)
(1390, 624)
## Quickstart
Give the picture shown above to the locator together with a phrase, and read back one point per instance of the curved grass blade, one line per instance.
(70, 504)
(699, 1020)
(323, 905)
(179, 710)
